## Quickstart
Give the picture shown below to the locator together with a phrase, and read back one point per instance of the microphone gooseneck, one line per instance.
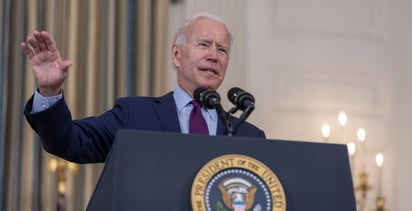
(242, 100)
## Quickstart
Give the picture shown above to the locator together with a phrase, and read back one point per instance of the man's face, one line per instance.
(202, 60)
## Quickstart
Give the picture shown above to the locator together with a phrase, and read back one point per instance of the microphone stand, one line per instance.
(229, 131)
(245, 114)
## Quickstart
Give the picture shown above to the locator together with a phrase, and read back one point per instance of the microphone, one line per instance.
(207, 97)
(241, 99)
(211, 99)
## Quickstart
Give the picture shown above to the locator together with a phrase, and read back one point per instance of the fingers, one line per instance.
(66, 64)
(33, 44)
(27, 50)
(41, 44)
(39, 41)
(48, 41)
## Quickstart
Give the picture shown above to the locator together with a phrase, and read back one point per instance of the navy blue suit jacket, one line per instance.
(89, 140)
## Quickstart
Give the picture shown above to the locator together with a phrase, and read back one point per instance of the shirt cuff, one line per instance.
(41, 103)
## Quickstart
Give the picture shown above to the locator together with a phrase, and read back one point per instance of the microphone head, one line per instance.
(233, 94)
(198, 93)
(206, 97)
(240, 98)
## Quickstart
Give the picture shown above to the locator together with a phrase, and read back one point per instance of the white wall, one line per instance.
(315, 58)
(401, 142)
(306, 60)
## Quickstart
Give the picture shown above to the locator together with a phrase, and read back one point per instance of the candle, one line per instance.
(325, 131)
(342, 119)
(379, 162)
(351, 150)
(362, 136)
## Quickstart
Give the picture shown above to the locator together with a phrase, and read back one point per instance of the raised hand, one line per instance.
(49, 70)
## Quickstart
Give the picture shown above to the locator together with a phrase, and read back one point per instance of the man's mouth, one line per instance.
(211, 70)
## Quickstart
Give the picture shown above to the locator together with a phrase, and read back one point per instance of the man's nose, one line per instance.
(212, 54)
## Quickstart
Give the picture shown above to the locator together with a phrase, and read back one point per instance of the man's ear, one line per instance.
(176, 54)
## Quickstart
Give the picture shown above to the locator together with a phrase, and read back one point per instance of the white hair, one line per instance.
(179, 38)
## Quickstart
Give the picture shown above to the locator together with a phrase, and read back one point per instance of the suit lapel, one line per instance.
(165, 108)
(220, 131)
(221, 127)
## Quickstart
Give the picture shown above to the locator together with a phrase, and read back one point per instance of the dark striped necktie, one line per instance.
(197, 123)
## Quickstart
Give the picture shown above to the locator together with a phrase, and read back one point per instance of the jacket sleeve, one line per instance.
(87, 140)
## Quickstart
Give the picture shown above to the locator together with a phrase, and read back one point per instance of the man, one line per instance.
(200, 54)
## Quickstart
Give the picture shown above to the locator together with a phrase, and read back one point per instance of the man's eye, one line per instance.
(222, 50)
(203, 44)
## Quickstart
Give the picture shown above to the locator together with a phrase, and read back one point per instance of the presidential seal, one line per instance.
(238, 183)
